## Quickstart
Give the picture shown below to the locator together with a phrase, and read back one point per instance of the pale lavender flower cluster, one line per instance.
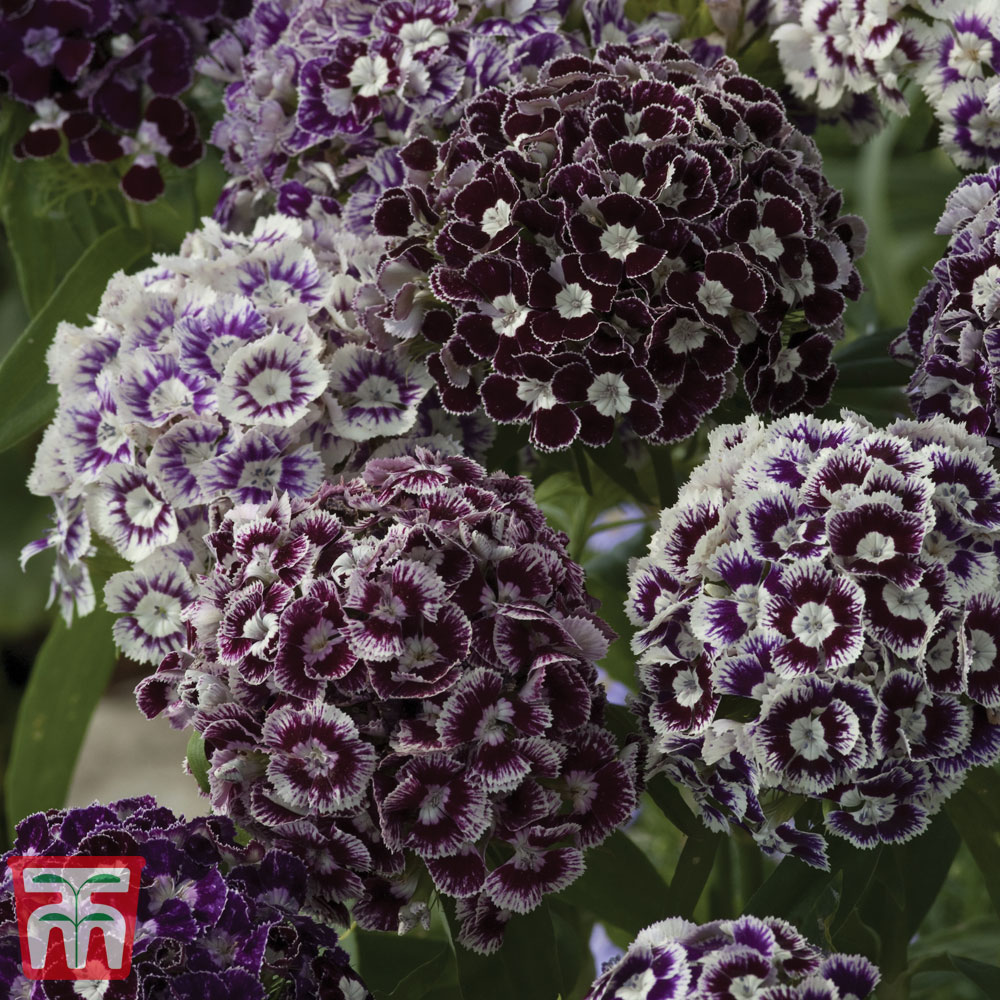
(818, 616)
(613, 245)
(953, 337)
(320, 94)
(396, 678)
(216, 920)
(231, 370)
(835, 52)
(765, 958)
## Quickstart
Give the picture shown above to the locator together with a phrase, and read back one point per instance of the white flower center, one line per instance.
(422, 34)
(496, 218)
(369, 75)
(537, 393)
(619, 241)
(715, 297)
(609, 394)
(876, 547)
(908, 604)
(271, 386)
(574, 301)
(262, 475)
(746, 987)
(377, 391)
(807, 738)
(813, 624)
(490, 729)
(418, 651)
(637, 987)
(982, 650)
(317, 760)
(158, 614)
(141, 507)
(764, 241)
(786, 364)
(687, 688)
(432, 808)
(510, 315)
(986, 291)
(168, 397)
(685, 335)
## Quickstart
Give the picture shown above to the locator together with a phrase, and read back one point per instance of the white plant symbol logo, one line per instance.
(76, 914)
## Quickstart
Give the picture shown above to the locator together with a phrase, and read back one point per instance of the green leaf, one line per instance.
(105, 878)
(691, 875)
(975, 811)
(97, 916)
(26, 398)
(620, 886)
(986, 977)
(52, 917)
(400, 966)
(611, 461)
(526, 967)
(671, 803)
(66, 682)
(49, 878)
(197, 760)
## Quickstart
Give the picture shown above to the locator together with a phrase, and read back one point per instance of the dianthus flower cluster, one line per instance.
(232, 370)
(834, 52)
(319, 92)
(215, 920)
(765, 958)
(818, 616)
(107, 76)
(396, 679)
(607, 247)
(953, 337)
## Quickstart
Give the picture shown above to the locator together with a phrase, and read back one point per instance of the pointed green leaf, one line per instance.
(197, 761)
(98, 916)
(106, 877)
(975, 811)
(49, 878)
(53, 917)
(26, 399)
(66, 682)
(986, 977)
(620, 886)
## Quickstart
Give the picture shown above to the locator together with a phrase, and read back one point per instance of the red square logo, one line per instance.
(76, 916)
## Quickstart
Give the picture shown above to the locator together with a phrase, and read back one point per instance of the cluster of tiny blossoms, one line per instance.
(396, 681)
(611, 244)
(232, 370)
(764, 958)
(215, 920)
(818, 616)
(953, 337)
(320, 96)
(107, 77)
(836, 52)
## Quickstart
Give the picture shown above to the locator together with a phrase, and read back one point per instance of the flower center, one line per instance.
(813, 624)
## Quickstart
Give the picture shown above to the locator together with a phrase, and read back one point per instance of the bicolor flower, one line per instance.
(816, 617)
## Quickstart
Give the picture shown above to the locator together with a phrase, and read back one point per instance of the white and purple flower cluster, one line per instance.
(953, 337)
(834, 52)
(818, 616)
(107, 77)
(231, 370)
(397, 678)
(611, 245)
(321, 96)
(761, 958)
(216, 920)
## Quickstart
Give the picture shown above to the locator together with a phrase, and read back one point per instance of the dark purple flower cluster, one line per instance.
(612, 244)
(107, 77)
(818, 616)
(953, 337)
(215, 920)
(763, 958)
(397, 678)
